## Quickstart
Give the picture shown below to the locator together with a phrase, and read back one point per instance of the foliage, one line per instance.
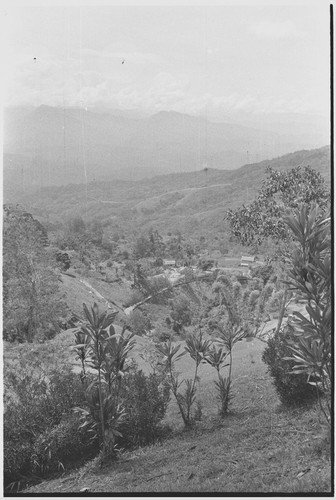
(77, 225)
(140, 280)
(157, 244)
(135, 297)
(263, 272)
(32, 305)
(281, 191)
(245, 307)
(205, 264)
(121, 408)
(35, 402)
(139, 323)
(276, 300)
(160, 289)
(82, 350)
(229, 335)
(217, 358)
(63, 260)
(143, 247)
(61, 446)
(145, 399)
(241, 312)
(87, 239)
(197, 348)
(107, 355)
(292, 389)
(163, 332)
(96, 232)
(310, 275)
(181, 312)
(174, 246)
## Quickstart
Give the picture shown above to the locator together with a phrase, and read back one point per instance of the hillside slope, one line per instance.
(186, 201)
(258, 447)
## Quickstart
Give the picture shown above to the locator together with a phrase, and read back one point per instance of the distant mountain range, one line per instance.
(189, 202)
(54, 146)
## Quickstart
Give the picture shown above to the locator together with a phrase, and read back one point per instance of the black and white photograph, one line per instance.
(167, 265)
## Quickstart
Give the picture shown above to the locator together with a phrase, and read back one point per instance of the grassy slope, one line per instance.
(76, 292)
(259, 447)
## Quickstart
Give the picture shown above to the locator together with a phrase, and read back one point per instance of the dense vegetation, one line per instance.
(159, 301)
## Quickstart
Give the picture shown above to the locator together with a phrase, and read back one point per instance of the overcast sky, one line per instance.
(182, 58)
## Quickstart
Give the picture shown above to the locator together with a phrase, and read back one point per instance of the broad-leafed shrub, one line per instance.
(16, 461)
(181, 312)
(264, 272)
(35, 402)
(135, 297)
(145, 399)
(63, 445)
(292, 389)
(139, 322)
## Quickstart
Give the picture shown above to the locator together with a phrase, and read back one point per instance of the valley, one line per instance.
(159, 257)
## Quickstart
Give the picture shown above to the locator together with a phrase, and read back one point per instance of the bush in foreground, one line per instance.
(145, 399)
(62, 446)
(292, 389)
(35, 402)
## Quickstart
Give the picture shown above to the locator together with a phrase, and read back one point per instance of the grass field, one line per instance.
(260, 447)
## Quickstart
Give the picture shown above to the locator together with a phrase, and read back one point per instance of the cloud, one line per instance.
(58, 82)
(276, 30)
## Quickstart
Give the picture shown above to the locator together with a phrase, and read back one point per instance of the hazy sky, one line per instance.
(184, 58)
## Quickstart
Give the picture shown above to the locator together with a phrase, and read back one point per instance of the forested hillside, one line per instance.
(183, 202)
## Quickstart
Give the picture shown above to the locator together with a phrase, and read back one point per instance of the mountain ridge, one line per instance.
(189, 202)
(54, 146)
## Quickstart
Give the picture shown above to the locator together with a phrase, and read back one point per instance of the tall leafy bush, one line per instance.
(310, 276)
(107, 355)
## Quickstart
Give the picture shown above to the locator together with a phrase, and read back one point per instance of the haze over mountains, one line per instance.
(189, 202)
(47, 146)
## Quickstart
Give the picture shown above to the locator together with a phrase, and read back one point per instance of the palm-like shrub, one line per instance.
(244, 307)
(310, 276)
(185, 397)
(106, 352)
(219, 356)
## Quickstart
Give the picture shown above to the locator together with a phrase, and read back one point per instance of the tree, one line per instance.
(157, 244)
(281, 192)
(95, 231)
(63, 260)
(31, 300)
(174, 247)
(280, 195)
(181, 311)
(142, 247)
